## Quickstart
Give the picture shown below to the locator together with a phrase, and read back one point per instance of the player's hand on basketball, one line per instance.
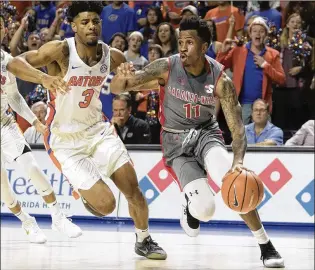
(238, 167)
(55, 84)
(126, 70)
(41, 128)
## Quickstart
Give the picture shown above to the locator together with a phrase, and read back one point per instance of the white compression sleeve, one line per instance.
(38, 178)
(18, 103)
(7, 194)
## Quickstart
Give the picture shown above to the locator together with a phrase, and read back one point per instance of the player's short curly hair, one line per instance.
(200, 25)
(83, 6)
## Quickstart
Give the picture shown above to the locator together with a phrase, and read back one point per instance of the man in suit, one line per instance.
(130, 129)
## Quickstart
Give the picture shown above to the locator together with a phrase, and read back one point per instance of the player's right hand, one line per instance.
(55, 84)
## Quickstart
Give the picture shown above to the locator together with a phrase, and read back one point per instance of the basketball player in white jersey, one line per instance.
(15, 147)
(87, 149)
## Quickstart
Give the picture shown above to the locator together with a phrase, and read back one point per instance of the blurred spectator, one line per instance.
(304, 136)
(255, 67)
(45, 14)
(146, 105)
(269, 14)
(215, 46)
(60, 25)
(288, 101)
(141, 9)
(119, 41)
(133, 52)
(31, 135)
(246, 27)
(117, 17)
(166, 38)
(172, 10)
(261, 131)
(229, 22)
(130, 129)
(189, 11)
(154, 18)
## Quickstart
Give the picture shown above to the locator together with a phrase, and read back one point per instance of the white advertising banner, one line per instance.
(288, 180)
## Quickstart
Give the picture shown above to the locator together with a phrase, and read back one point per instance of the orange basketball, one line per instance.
(242, 191)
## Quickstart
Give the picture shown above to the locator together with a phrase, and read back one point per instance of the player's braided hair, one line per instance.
(200, 25)
(83, 6)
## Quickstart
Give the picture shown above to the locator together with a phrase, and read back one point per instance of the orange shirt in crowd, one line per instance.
(174, 6)
(221, 19)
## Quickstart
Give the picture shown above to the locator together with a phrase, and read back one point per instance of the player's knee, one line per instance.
(107, 205)
(203, 211)
(201, 199)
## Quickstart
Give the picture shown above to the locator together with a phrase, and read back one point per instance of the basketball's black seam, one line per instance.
(258, 189)
(230, 189)
(244, 192)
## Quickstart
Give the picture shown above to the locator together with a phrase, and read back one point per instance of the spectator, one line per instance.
(261, 131)
(130, 129)
(215, 46)
(172, 10)
(166, 38)
(146, 105)
(45, 14)
(304, 136)
(141, 9)
(117, 17)
(119, 41)
(288, 100)
(271, 15)
(226, 17)
(133, 52)
(154, 18)
(31, 135)
(255, 68)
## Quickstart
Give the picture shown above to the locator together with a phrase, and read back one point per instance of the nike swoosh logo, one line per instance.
(144, 250)
(74, 67)
(235, 199)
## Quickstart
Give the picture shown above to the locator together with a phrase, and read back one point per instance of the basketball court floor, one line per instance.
(107, 245)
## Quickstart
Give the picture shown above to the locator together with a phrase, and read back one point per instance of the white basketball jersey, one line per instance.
(7, 79)
(81, 107)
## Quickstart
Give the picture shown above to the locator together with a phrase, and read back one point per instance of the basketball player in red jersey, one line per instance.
(190, 83)
(88, 150)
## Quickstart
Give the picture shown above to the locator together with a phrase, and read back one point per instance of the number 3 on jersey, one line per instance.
(192, 111)
(88, 94)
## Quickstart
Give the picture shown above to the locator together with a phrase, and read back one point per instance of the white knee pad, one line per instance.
(218, 163)
(38, 178)
(201, 202)
(7, 194)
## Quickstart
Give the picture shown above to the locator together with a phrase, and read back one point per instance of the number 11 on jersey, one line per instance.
(192, 111)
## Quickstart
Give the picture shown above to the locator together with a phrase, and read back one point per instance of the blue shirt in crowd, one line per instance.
(45, 16)
(117, 20)
(270, 132)
(270, 15)
(252, 79)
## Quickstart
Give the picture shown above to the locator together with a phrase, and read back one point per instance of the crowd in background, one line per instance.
(275, 84)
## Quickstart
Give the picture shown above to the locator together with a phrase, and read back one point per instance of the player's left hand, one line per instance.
(259, 60)
(126, 70)
(41, 128)
(238, 167)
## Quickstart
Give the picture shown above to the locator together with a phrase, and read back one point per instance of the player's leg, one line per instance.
(197, 198)
(126, 181)
(29, 224)
(217, 163)
(15, 147)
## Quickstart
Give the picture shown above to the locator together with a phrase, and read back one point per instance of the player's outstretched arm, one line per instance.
(24, 66)
(148, 78)
(232, 110)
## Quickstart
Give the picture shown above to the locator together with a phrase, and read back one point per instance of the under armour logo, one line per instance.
(191, 193)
